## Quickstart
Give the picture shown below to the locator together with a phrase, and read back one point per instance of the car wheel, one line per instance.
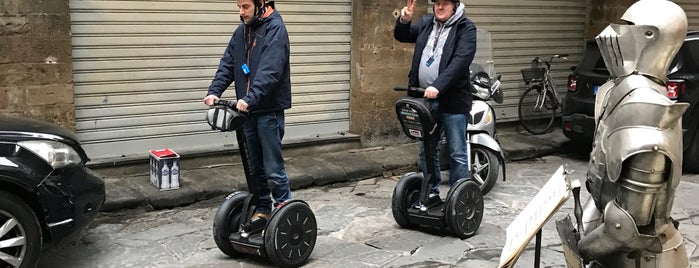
(20, 234)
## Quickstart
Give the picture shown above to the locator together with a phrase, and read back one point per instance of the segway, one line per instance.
(462, 210)
(289, 236)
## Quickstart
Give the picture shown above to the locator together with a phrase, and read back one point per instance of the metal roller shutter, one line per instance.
(524, 29)
(691, 8)
(141, 69)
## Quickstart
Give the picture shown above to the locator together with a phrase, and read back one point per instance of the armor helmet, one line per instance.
(654, 33)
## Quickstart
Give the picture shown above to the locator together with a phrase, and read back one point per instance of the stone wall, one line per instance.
(35, 60)
(36, 79)
(379, 63)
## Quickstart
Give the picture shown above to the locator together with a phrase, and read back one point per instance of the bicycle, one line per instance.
(537, 106)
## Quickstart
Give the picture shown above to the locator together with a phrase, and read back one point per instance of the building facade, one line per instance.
(129, 76)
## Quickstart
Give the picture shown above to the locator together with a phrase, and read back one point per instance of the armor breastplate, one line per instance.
(633, 115)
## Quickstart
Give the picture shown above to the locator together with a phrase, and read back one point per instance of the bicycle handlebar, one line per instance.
(548, 61)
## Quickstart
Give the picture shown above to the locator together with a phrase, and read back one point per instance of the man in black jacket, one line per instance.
(257, 60)
(445, 44)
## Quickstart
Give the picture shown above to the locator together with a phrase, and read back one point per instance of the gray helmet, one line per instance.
(647, 44)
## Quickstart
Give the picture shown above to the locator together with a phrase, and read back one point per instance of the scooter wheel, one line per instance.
(227, 222)
(406, 193)
(291, 234)
(464, 210)
(485, 167)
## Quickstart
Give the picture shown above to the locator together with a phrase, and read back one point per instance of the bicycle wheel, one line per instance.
(537, 110)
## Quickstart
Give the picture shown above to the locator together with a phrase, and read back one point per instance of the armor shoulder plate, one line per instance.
(641, 119)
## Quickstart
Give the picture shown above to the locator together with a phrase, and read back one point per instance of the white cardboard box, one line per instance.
(165, 169)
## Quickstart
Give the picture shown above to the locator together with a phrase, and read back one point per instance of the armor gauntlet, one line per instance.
(643, 177)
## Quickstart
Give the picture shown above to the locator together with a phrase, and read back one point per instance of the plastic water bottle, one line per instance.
(175, 176)
(153, 175)
(165, 180)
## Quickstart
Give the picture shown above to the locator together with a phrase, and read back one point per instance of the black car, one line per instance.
(578, 107)
(47, 195)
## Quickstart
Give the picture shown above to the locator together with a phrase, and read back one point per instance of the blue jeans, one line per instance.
(454, 126)
(263, 135)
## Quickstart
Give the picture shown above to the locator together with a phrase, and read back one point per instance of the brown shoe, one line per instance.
(260, 215)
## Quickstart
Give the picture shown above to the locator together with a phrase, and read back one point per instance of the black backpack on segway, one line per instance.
(289, 236)
(462, 210)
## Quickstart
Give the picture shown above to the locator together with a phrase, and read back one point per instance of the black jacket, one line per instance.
(268, 85)
(459, 50)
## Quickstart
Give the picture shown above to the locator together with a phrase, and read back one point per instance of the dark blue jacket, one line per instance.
(459, 50)
(268, 85)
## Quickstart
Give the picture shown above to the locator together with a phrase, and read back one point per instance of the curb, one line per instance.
(198, 184)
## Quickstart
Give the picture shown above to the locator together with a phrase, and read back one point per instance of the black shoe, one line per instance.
(432, 200)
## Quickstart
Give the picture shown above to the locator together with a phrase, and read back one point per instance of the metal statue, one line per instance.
(636, 160)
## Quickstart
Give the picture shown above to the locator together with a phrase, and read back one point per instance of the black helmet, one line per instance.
(455, 2)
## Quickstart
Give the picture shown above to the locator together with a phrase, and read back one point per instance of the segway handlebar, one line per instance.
(414, 92)
(231, 104)
(418, 90)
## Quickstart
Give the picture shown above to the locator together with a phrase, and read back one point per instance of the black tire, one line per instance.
(227, 222)
(291, 235)
(406, 192)
(485, 167)
(536, 120)
(20, 217)
(464, 209)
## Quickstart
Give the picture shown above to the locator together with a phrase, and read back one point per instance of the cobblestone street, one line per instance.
(355, 229)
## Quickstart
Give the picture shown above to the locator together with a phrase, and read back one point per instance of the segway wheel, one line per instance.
(227, 222)
(291, 235)
(406, 193)
(464, 210)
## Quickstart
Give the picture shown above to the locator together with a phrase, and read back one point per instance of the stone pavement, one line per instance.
(129, 187)
(355, 228)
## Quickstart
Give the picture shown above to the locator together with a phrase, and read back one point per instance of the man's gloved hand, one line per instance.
(431, 92)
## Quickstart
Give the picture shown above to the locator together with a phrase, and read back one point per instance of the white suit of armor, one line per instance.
(635, 164)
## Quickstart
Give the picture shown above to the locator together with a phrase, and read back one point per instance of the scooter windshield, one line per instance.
(483, 63)
(484, 52)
